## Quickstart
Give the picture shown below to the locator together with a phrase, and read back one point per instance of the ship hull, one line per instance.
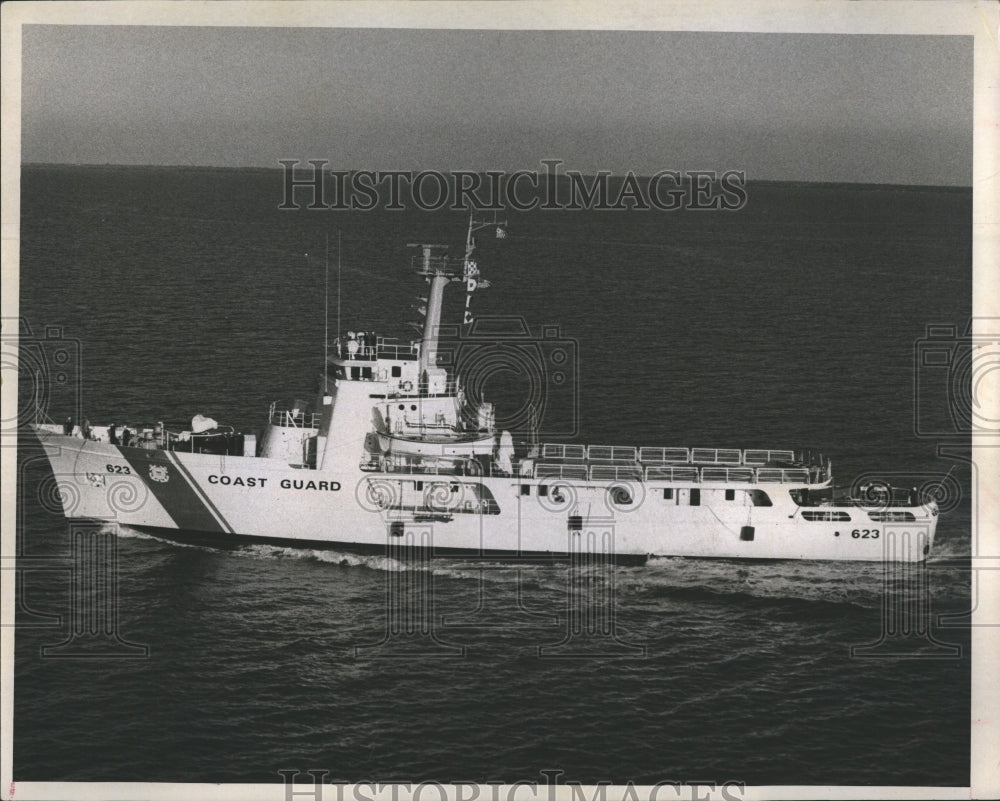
(216, 499)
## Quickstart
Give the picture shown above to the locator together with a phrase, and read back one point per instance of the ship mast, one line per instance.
(435, 267)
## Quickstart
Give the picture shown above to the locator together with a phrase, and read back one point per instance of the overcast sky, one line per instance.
(806, 107)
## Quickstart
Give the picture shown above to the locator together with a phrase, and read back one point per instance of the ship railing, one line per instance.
(388, 348)
(671, 473)
(560, 451)
(752, 457)
(292, 418)
(728, 456)
(785, 475)
(762, 457)
(551, 470)
(593, 453)
(422, 389)
(616, 453)
(616, 472)
(742, 475)
(578, 471)
(663, 455)
(735, 475)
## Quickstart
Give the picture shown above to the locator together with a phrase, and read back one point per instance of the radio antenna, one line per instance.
(338, 282)
(326, 309)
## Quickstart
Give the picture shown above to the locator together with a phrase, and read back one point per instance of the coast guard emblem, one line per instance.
(158, 472)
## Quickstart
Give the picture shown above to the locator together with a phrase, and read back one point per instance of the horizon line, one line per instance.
(104, 165)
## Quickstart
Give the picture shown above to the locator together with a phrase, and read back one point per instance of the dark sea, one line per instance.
(794, 322)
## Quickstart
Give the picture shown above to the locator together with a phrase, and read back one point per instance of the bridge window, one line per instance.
(730, 495)
(893, 517)
(397, 371)
(526, 489)
(695, 497)
(543, 490)
(841, 517)
(668, 494)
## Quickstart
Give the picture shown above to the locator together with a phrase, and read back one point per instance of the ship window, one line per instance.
(526, 489)
(355, 373)
(366, 373)
(413, 407)
(841, 517)
(454, 487)
(668, 494)
(402, 407)
(892, 517)
(543, 490)
(397, 371)
(418, 485)
(760, 498)
(574, 523)
(730, 495)
(695, 497)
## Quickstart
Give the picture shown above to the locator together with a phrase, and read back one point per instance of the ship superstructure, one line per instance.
(394, 451)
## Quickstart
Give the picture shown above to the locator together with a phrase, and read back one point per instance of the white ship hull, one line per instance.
(212, 497)
(370, 467)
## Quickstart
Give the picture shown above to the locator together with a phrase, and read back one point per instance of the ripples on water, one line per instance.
(790, 324)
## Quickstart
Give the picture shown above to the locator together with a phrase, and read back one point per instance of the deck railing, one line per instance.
(659, 456)
(559, 451)
(549, 470)
(662, 455)
(292, 418)
(671, 473)
(575, 469)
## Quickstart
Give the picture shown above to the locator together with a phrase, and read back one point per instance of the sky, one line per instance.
(798, 107)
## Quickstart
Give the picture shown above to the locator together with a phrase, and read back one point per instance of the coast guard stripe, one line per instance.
(201, 493)
(176, 495)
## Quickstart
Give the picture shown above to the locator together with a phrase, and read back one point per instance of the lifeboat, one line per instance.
(437, 444)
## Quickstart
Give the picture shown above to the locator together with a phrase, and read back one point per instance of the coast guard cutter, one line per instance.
(394, 452)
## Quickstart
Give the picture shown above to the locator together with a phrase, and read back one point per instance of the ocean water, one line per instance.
(791, 323)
